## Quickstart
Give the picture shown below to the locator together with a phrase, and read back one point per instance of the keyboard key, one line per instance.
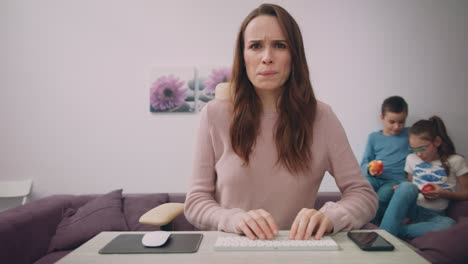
(280, 243)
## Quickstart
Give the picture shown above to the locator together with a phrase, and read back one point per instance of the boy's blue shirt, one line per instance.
(391, 150)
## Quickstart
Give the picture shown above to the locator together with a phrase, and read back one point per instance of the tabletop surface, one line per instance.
(349, 253)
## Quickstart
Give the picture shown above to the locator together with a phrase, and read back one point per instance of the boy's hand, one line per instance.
(375, 167)
(395, 186)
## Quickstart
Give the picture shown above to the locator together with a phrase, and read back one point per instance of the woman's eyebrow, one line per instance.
(261, 40)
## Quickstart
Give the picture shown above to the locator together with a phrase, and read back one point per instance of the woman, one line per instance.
(261, 156)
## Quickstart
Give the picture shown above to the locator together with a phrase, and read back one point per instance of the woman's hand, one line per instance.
(309, 221)
(258, 224)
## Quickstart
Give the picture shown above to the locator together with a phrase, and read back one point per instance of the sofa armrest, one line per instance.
(26, 231)
(162, 214)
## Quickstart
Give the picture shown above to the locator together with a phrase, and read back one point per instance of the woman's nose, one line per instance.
(267, 56)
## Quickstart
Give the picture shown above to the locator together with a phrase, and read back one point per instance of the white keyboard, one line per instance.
(280, 243)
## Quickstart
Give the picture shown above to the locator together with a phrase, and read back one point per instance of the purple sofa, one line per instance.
(45, 230)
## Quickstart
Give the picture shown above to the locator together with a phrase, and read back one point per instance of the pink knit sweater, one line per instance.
(221, 188)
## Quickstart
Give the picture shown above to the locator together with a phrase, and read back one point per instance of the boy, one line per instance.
(389, 145)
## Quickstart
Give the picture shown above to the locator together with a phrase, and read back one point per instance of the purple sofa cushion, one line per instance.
(324, 197)
(103, 213)
(135, 205)
(52, 257)
(36, 219)
(447, 246)
(458, 210)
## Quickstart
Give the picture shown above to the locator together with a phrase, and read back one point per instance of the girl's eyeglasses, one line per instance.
(418, 149)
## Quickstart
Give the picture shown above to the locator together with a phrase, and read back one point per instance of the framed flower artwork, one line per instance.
(184, 89)
(169, 89)
(208, 78)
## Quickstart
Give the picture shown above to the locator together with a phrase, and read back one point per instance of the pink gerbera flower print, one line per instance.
(167, 93)
(219, 75)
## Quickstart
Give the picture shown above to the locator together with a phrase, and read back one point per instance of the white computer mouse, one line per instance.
(155, 238)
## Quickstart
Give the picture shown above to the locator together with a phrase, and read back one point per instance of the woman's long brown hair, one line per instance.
(296, 106)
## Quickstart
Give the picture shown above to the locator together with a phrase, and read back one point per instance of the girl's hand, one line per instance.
(395, 186)
(436, 193)
(258, 224)
(309, 221)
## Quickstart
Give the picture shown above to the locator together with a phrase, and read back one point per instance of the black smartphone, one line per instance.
(370, 241)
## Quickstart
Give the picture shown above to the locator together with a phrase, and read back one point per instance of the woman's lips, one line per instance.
(267, 73)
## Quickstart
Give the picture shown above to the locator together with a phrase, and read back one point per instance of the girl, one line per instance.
(433, 171)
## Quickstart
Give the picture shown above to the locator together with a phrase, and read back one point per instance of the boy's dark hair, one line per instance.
(394, 104)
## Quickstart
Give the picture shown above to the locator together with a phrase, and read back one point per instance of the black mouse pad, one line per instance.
(131, 244)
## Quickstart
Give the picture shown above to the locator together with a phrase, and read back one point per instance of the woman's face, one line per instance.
(266, 53)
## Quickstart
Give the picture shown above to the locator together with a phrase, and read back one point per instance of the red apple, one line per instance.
(427, 188)
(375, 167)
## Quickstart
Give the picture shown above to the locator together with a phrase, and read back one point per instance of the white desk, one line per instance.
(349, 253)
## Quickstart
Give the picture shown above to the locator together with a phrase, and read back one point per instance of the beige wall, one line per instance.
(74, 93)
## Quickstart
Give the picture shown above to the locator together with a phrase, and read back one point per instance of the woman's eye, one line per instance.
(254, 46)
(281, 45)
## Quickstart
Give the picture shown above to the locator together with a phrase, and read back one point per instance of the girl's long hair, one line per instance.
(296, 106)
(430, 129)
